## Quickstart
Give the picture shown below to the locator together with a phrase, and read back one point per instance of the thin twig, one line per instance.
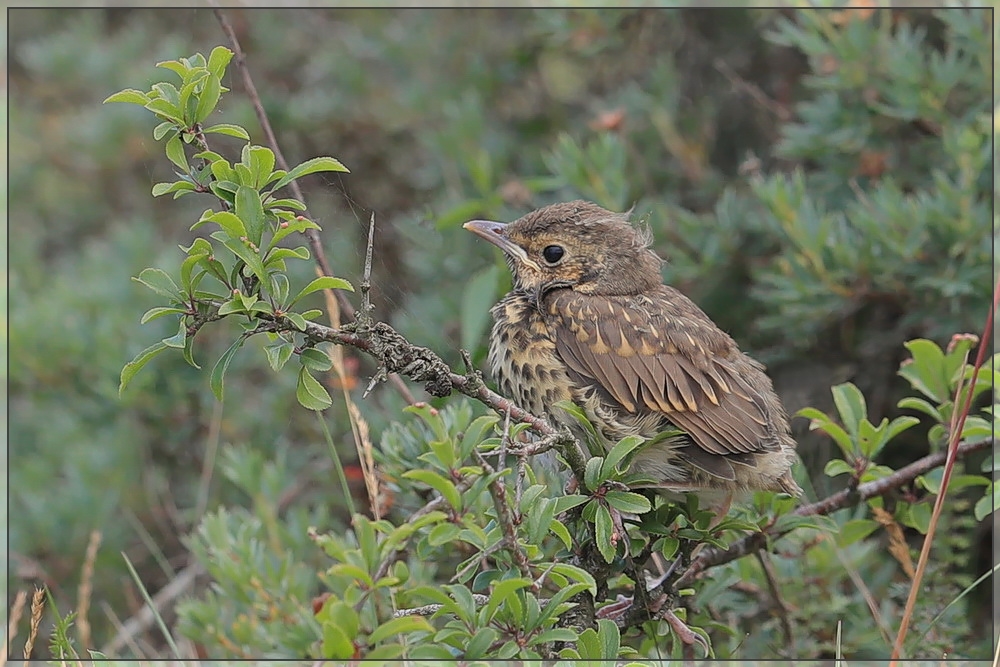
(779, 602)
(758, 95)
(498, 492)
(431, 609)
(365, 317)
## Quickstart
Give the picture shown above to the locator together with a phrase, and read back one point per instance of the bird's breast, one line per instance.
(523, 357)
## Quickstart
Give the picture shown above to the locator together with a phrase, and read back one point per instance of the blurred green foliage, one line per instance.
(818, 181)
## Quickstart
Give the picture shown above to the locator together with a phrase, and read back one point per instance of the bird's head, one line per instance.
(578, 245)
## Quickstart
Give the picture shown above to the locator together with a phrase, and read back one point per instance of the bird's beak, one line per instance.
(492, 232)
(495, 233)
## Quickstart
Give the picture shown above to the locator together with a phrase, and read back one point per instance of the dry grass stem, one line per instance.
(16, 611)
(37, 607)
(85, 589)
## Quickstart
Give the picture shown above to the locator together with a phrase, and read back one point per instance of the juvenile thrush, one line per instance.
(590, 320)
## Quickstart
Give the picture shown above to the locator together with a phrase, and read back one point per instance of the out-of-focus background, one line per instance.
(819, 182)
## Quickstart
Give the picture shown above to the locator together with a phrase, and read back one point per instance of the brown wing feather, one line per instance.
(663, 354)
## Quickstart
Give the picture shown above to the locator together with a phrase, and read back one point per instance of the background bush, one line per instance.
(817, 180)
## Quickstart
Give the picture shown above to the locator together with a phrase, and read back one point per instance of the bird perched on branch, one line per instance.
(589, 320)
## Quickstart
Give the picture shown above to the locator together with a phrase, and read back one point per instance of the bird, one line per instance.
(589, 320)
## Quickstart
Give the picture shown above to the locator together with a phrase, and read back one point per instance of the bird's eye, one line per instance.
(552, 253)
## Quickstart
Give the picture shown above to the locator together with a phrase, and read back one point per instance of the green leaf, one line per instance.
(209, 97)
(189, 352)
(228, 130)
(669, 547)
(988, 503)
(627, 501)
(557, 599)
(165, 109)
(278, 355)
(622, 449)
(589, 645)
(564, 503)
(161, 283)
(474, 434)
(836, 467)
(175, 66)
(229, 222)
(480, 643)
(249, 257)
(386, 653)
(610, 638)
(477, 296)
(156, 313)
(324, 282)
(577, 574)
(140, 360)
(336, 645)
(179, 338)
(353, 572)
(900, 424)
(261, 164)
(175, 153)
(821, 421)
(234, 305)
(920, 516)
(603, 529)
(310, 393)
(850, 404)
(501, 591)
(177, 186)
(129, 96)
(162, 129)
(921, 405)
(310, 167)
(592, 473)
(218, 60)
(926, 371)
(297, 320)
(434, 480)
(855, 530)
(219, 370)
(250, 211)
(553, 635)
(315, 360)
(559, 529)
(293, 204)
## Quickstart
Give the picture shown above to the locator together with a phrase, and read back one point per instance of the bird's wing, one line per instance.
(661, 353)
